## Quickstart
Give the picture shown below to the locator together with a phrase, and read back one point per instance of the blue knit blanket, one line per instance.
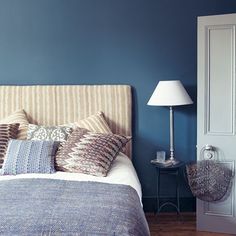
(59, 207)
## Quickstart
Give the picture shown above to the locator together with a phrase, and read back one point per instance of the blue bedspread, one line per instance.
(60, 207)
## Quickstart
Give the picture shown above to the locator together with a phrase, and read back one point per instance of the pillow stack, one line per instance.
(87, 146)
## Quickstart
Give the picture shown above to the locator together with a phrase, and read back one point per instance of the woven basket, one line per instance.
(209, 180)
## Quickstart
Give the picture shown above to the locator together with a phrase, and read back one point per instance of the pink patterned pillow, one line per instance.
(7, 132)
(89, 152)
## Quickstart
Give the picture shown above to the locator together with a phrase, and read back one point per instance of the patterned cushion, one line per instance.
(53, 133)
(18, 117)
(89, 152)
(7, 132)
(29, 156)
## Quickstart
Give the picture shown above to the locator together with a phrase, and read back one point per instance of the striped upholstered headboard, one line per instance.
(59, 104)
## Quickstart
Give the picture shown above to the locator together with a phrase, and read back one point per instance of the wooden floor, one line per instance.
(165, 224)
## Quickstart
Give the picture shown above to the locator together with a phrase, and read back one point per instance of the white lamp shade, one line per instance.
(169, 93)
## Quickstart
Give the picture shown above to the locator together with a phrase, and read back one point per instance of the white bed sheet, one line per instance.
(122, 172)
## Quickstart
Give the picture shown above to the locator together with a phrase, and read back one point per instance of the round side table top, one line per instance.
(167, 164)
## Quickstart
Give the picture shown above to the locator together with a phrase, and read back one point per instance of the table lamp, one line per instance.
(170, 93)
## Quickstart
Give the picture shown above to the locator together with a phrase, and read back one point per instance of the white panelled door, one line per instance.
(216, 123)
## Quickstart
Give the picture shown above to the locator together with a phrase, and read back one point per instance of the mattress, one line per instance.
(121, 172)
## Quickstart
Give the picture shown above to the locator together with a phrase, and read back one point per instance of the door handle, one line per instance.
(208, 152)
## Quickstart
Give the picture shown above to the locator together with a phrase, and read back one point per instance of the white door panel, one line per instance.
(216, 111)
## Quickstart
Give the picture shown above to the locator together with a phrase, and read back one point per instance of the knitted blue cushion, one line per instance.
(29, 156)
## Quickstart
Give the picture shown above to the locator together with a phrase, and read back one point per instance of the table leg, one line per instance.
(158, 190)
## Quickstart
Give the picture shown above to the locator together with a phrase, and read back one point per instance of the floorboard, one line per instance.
(169, 224)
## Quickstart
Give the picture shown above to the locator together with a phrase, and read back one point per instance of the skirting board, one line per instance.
(187, 204)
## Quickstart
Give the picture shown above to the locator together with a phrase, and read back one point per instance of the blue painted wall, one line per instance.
(113, 42)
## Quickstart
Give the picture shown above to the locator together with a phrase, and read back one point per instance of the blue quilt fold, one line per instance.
(59, 207)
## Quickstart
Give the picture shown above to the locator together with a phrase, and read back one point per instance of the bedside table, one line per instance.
(168, 170)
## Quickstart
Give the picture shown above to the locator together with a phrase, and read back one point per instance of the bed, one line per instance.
(65, 203)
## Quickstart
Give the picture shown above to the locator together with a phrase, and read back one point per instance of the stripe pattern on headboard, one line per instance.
(61, 104)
